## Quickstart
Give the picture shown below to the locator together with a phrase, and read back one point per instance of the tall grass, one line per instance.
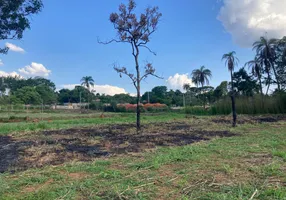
(245, 105)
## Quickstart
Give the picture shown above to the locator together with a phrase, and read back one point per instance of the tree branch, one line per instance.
(149, 70)
(123, 70)
(148, 49)
(111, 41)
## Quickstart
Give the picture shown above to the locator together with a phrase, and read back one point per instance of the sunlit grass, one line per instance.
(222, 168)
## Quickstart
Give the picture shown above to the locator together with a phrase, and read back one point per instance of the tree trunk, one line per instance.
(260, 84)
(138, 123)
(261, 91)
(276, 76)
(267, 89)
(204, 101)
(268, 83)
(233, 103)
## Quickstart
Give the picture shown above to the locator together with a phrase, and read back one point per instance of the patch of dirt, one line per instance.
(77, 176)
(59, 146)
(259, 159)
(249, 120)
(30, 189)
(275, 181)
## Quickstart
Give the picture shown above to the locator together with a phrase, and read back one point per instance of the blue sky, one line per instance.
(63, 38)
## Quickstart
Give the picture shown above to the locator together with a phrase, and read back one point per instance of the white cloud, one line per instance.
(1, 62)
(248, 20)
(13, 47)
(68, 86)
(102, 89)
(133, 94)
(35, 69)
(177, 81)
(12, 74)
(109, 89)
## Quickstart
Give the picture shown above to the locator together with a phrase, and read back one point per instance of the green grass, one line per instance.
(8, 128)
(222, 168)
(50, 115)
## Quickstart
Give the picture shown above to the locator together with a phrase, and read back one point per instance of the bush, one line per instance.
(275, 104)
(196, 110)
(156, 108)
(252, 105)
(96, 106)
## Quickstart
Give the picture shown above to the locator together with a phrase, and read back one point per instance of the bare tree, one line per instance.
(135, 31)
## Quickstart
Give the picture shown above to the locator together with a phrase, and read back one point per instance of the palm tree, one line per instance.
(87, 81)
(256, 68)
(231, 61)
(265, 50)
(186, 87)
(282, 43)
(201, 77)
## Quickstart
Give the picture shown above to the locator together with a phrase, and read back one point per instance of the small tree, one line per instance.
(14, 18)
(135, 31)
(87, 81)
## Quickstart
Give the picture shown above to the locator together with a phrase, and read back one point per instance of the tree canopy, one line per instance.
(14, 18)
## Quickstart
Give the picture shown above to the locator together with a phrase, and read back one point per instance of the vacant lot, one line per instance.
(175, 157)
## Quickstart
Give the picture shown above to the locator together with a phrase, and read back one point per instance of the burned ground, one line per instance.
(59, 146)
(249, 119)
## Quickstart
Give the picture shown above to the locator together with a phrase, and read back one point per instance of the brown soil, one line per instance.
(77, 176)
(30, 189)
(249, 120)
(59, 146)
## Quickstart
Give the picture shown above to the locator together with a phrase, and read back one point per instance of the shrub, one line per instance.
(196, 110)
(252, 105)
(96, 106)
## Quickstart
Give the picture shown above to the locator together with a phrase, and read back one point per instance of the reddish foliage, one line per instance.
(132, 107)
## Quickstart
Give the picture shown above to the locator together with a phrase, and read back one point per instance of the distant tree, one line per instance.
(160, 91)
(28, 95)
(256, 69)
(64, 96)
(135, 31)
(281, 62)
(220, 90)
(15, 83)
(207, 94)
(265, 50)
(80, 93)
(282, 47)
(186, 87)
(244, 84)
(36, 81)
(87, 81)
(201, 76)
(15, 18)
(124, 98)
(160, 94)
(231, 61)
(2, 86)
(48, 96)
(76, 95)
